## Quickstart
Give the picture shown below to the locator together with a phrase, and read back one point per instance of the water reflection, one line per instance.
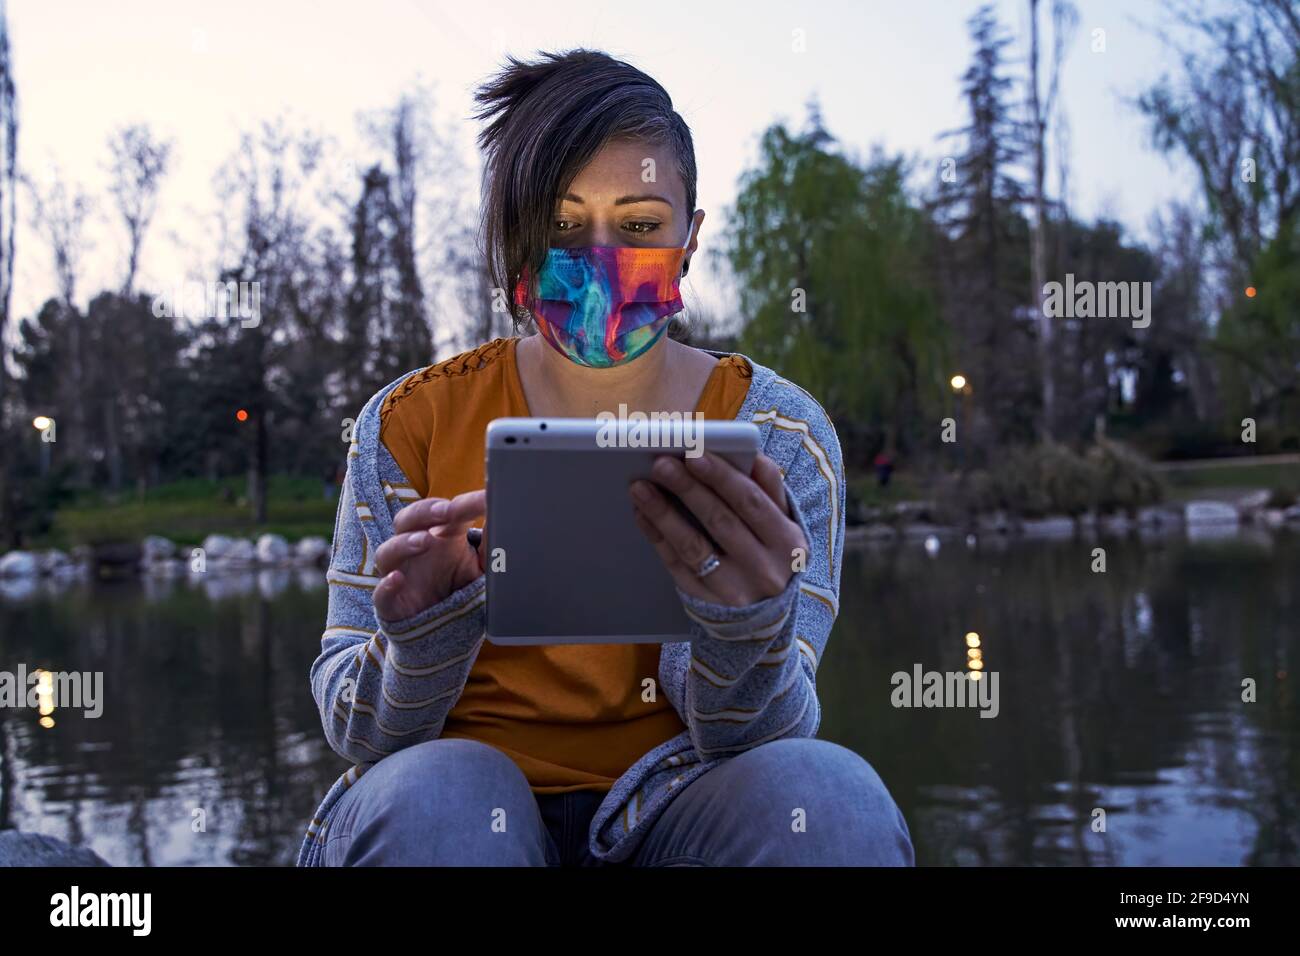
(1119, 692)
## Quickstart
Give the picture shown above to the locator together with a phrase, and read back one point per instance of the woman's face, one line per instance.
(630, 194)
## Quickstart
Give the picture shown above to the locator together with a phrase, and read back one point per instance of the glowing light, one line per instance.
(958, 382)
(975, 654)
(975, 665)
(972, 639)
(45, 693)
(241, 415)
(974, 675)
(41, 422)
(1250, 292)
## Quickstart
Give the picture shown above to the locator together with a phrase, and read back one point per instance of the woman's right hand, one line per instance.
(428, 556)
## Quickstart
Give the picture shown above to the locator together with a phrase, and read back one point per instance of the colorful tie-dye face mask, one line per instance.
(601, 306)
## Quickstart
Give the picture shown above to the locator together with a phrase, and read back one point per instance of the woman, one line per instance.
(698, 752)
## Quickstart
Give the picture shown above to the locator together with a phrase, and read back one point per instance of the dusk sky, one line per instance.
(885, 73)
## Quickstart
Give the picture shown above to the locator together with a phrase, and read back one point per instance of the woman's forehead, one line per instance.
(628, 170)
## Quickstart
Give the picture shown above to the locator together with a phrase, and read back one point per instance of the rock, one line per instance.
(1210, 512)
(312, 551)
(1115, 524)
(1254, 502)
(923, 529)
(52, 562)
(19, 564)
(241, 552)
(995, 523)
(1158, 517)
(167, 568)
(1055, 527)
(1291, 515)
(272, 549)
(157, 548)
(1273, 517)
(216, 546)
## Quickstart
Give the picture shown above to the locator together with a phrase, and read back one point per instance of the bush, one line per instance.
(1053, 479)
(1125, 480)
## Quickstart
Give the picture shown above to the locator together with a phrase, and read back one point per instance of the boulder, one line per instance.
(1210, 512)
(993, 523)
(1055, 527)
(157, 548)
(1254, 502)
(19, 564)
(1155, 516)
(216, 546)
(312, 551)
(240, 553)
(272, 549)
(52, 562)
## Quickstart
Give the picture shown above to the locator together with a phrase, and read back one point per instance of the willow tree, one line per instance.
(829, 255)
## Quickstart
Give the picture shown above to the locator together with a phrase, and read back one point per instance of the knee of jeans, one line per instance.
(447, 778)
(840, 783)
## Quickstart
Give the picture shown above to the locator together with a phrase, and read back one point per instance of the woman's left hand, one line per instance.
(747, 515)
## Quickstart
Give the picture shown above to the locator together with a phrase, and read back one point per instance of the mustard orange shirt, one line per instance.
(571, 716)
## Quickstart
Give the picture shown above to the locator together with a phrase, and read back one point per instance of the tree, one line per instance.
(983, 265)
(1041, 108)
(1234, 113)
(830, 259)
(139, 163)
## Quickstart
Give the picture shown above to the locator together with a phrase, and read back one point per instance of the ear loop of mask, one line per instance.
(689, 233)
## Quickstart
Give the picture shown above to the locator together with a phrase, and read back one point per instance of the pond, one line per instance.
(1120, 703)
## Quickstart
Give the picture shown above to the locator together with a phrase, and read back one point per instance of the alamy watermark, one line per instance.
(47, 691)
(212, 300)
(654, 430)
(1099, 300)
(923, 688)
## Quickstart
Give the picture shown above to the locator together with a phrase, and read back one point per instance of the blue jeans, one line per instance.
(456, 802)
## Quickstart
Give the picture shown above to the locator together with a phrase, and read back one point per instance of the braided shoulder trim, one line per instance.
(470, 361)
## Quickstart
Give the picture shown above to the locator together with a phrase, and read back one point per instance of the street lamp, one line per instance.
(960, 386)
(41, 423)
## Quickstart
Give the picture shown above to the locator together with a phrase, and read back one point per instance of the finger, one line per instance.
(684, 577)
(387, 590)
(745, 496)
(400, 548)
(722, 523)
(770, 479)
(416, 515)
(455, 516)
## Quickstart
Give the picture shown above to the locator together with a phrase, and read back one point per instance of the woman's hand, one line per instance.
(747, 515)
(428, 556)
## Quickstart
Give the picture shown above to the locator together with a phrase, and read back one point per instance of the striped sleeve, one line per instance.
(752, 672)
(384, 685)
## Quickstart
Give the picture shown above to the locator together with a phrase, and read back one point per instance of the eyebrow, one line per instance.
(622, 200)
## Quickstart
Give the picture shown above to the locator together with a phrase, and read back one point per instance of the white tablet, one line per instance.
(566, 562)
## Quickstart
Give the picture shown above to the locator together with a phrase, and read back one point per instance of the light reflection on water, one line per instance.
(1119, 691)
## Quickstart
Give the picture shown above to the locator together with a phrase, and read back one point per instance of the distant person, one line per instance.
(472, 753)
(884, 464)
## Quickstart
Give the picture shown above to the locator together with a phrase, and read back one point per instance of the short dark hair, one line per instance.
(547, 119)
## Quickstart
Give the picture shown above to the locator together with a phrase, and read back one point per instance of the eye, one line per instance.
(641, 228)
(565, 225)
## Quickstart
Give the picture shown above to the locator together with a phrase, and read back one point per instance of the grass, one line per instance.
(187, 511)
(1188, 483)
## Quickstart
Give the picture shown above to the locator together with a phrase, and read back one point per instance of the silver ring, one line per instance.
(707, 566)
